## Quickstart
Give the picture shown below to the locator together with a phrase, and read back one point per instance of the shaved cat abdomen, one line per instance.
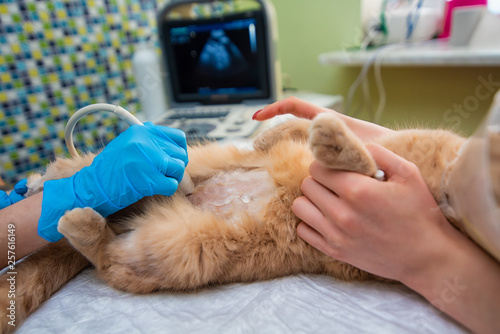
(228, 194)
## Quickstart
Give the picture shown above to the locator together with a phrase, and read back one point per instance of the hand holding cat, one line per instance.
(389, 228)
(142, 161)
(382, 227)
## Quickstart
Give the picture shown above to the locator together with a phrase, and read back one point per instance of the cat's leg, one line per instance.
(164, 249)
(87, 232)
(30, 282)
(335, 146)
(295, 129)
(178, 248)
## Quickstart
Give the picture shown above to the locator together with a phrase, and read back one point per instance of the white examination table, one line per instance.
(297, 304)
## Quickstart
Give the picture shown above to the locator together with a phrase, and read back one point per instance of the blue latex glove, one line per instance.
(141, 161)
(15, 195)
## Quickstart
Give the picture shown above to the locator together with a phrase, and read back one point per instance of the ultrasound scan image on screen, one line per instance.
(217, 58)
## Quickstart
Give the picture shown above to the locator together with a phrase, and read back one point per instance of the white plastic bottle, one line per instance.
(150, 88)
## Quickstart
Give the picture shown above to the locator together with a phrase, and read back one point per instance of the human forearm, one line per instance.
(19, 223)
(464, 283)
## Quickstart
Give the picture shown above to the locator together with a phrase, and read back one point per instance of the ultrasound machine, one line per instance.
(219, 64)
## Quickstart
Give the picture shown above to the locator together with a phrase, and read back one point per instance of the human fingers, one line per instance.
(169, 166)
(4, 200)
(178, 136)
(15, 197)
(21, 187)
(406, 175)
(323, 198)
(160, 175)
(174, 151)
(392, 164)
(165, 186)
(290, 105)
(313, 238)
(162, 144)
(355, 187)
(307, 211)
(316, 229)
(148, 140)
(348, 186)
(170, 141)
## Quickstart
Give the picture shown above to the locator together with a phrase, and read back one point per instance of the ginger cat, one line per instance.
(237, 226)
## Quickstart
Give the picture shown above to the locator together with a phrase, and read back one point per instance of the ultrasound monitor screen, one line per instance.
(217, 60)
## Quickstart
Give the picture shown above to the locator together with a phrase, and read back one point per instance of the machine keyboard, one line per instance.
(204, 112)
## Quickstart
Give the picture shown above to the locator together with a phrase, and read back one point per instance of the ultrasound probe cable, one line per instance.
(186, 185)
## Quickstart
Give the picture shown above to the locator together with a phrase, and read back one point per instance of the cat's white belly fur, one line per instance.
(230, 194)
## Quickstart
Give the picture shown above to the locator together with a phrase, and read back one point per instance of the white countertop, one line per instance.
(429, 53)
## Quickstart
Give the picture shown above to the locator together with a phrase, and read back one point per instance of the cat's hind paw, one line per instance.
(335, 146)
(82, 226)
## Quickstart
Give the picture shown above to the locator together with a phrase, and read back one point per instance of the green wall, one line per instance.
(416, 96)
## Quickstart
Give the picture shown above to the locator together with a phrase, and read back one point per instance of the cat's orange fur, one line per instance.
(164, 243)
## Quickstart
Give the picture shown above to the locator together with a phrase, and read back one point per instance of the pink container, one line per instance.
(448, 12)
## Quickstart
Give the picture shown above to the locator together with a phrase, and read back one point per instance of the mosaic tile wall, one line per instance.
(59, 56)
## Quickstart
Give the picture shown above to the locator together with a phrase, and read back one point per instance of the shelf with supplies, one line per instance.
(437, 53)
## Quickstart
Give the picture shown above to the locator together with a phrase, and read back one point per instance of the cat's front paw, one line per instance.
(81, 224)
(337, 147)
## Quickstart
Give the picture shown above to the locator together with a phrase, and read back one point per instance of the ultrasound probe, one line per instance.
(186, 185)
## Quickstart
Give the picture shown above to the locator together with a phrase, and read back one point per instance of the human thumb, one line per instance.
(390, 163)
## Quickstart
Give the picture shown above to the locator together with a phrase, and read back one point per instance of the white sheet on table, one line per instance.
(298, 304)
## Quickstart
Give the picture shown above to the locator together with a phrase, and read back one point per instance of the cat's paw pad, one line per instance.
(335, 146)
(327, 131)
(329, 140)
(82, 224)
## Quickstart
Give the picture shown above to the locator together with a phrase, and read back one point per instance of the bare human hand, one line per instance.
(381, 227)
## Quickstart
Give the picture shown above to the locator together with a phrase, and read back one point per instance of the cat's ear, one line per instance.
(494, 148)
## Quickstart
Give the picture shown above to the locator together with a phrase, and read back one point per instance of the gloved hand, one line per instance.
(15, 195)
(141, 161)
